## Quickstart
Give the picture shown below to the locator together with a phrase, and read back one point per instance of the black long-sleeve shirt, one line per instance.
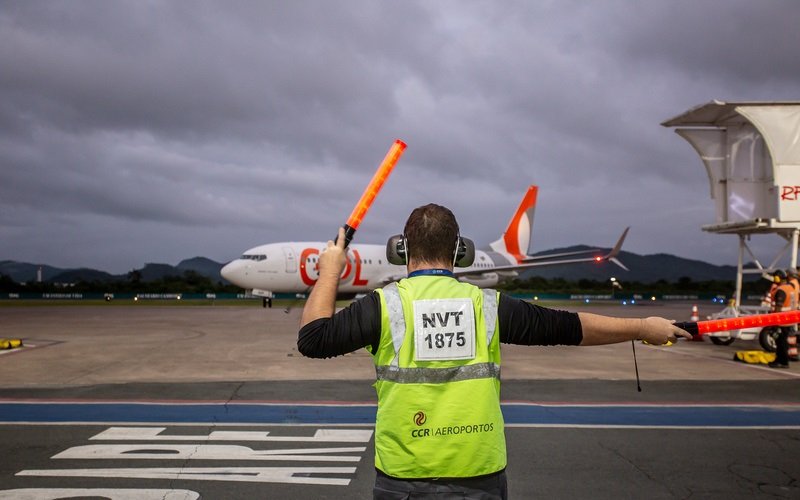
(359, 325)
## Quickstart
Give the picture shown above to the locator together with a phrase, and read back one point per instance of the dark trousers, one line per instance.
(782, 346)
(491, 487)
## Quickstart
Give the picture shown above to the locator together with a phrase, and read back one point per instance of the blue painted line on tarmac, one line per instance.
(654, 416)
(187, 413)
(514, 414)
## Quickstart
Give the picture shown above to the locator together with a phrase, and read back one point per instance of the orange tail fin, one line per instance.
(517, 237)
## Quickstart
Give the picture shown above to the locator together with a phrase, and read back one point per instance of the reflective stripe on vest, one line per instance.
(397, 325)
(397, 321)
(437, 375)
(489, 313)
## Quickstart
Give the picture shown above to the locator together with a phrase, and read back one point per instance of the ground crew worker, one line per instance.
(791, 277)
(791, 339)
(435, 342)
(771, 292)
(781, 293)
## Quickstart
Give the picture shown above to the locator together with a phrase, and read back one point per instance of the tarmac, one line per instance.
(145, 401)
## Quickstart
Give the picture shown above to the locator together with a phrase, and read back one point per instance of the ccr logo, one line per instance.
(420, 418)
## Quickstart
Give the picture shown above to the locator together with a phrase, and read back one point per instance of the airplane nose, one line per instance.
(228, 271)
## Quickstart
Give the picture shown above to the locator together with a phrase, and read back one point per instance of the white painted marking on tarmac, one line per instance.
(205, 452)
(181, 424)
(773, 370)
(675, 404)
(663, 427)
(154, 434)
(779, 372)
(16, 350)
(292, 475)
(190, 402)
(109, 493)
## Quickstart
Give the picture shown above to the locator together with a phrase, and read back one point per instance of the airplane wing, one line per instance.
(609, 257)
(533, 258)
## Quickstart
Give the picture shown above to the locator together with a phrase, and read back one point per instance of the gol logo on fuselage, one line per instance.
(353, 267)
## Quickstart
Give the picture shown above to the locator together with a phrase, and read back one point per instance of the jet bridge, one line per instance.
(751, 152)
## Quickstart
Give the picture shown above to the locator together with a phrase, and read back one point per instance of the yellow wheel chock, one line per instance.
(10, 343)
(754, 357)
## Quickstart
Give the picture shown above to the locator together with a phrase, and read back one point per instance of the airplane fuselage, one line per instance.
(291, 267)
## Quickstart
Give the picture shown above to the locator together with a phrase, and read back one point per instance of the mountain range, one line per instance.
(23, 271)
(642, 268)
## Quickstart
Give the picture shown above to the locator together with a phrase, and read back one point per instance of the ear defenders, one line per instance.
(465, 253)
(397, 251)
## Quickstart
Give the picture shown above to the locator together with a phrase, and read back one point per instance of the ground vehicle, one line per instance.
(727, 338)
(767, 336)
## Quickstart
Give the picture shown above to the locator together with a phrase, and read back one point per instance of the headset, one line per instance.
(397, 251)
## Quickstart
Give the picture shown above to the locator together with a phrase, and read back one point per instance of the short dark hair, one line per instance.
(431, 232)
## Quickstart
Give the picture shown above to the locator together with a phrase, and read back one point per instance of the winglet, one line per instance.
(612, 255)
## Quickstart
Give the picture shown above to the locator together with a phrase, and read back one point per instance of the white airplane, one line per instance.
(291, 267)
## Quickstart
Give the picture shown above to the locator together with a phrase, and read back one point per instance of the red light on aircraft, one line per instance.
(376, 184)
(598, 259)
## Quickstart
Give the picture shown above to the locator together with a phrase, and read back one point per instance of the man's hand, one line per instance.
(321, 302)
(333, 258)
(659, 331)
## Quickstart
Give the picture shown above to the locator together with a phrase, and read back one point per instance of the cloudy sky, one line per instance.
(146, 131)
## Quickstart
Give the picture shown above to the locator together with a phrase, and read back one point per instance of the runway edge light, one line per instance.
(372, 190)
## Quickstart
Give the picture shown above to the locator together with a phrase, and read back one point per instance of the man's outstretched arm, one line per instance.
(599, 330)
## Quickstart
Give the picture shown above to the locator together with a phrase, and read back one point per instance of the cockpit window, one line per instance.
(258, 257)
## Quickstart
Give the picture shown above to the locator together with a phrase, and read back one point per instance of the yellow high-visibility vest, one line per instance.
(438, 380)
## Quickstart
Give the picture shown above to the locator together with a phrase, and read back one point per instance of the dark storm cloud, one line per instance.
(208, 127)
(743, 42)
(280, 73)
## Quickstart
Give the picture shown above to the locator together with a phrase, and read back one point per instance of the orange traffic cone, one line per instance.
(696, 317)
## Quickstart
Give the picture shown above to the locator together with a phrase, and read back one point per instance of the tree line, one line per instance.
(193, 282)
(684, 285)
(188, 282)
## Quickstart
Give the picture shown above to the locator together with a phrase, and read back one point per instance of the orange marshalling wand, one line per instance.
(372, 190)
(741, 322)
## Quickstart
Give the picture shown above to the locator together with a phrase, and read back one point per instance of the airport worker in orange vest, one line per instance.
(794, 280)
(791, 277)
(435, 342)
(782, 294)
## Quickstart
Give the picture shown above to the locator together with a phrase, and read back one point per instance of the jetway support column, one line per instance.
(737, 299)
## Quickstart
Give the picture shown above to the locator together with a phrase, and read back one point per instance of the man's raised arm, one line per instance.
(321, 302)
